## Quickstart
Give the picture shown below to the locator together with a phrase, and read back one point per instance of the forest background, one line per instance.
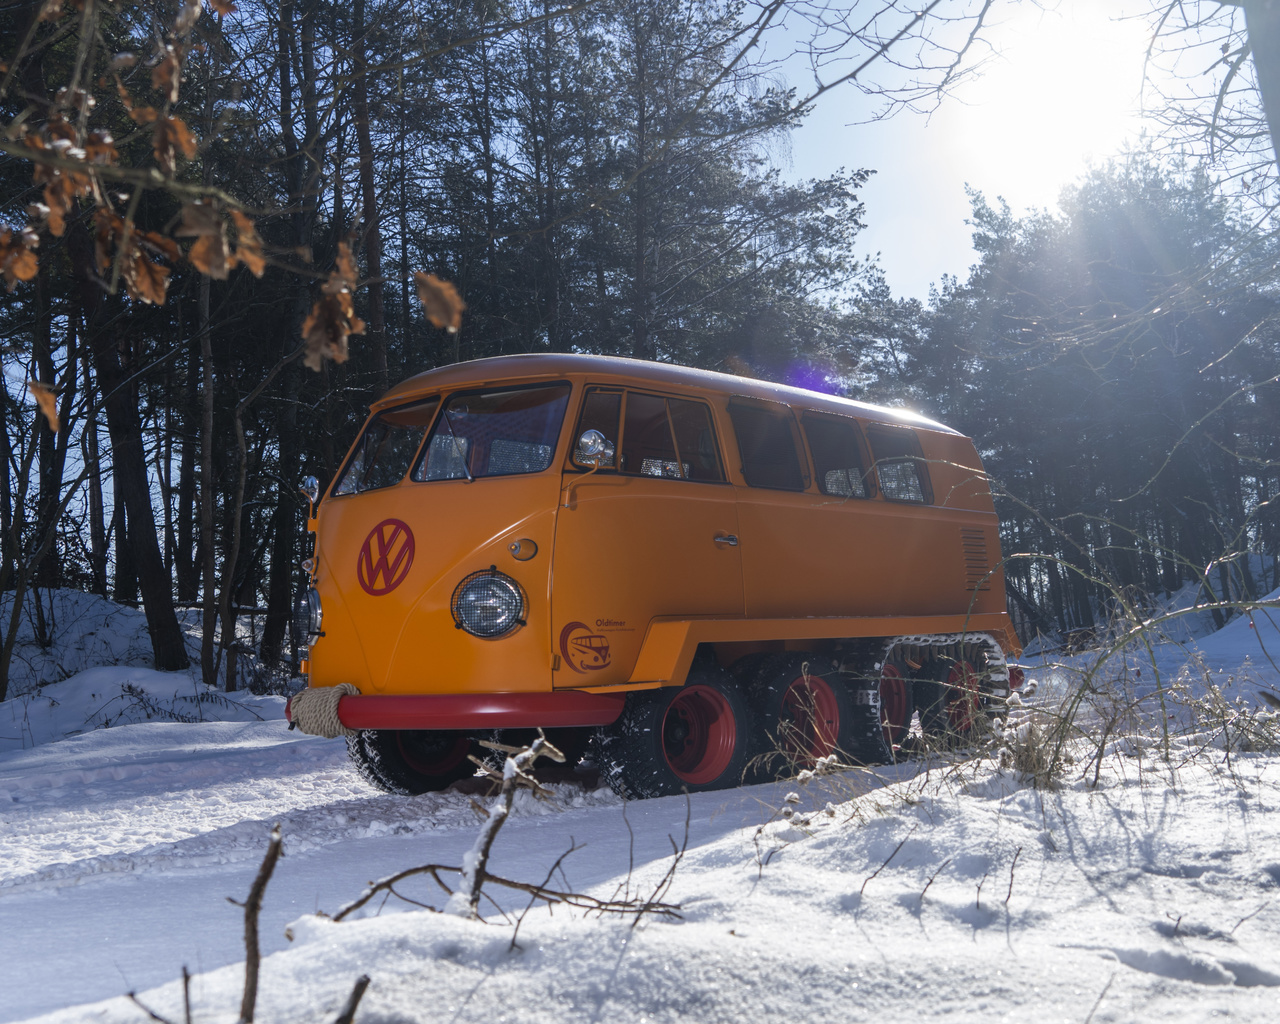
(228, 230)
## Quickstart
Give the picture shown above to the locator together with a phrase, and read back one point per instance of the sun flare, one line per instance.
(1064, 90)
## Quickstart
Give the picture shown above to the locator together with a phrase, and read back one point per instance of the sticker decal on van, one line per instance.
(385, 557)
(583, 650)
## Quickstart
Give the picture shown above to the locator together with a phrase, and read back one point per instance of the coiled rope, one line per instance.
(315, 710)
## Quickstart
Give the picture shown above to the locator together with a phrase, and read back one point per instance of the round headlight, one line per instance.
(488, 604)
(314, 615)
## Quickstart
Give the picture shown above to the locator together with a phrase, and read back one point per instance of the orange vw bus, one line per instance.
(696, 570)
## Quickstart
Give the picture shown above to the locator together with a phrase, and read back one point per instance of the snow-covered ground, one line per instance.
(938, 889)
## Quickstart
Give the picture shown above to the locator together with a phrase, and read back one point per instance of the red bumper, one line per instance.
(478, 711)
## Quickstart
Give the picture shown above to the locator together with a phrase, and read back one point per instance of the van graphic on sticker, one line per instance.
(583, 650)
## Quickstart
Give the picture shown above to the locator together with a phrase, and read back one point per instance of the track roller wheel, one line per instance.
(956, 706)
(804, 711)
(675, 739)
(896, 703)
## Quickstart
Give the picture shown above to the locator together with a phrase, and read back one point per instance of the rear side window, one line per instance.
(837, 456)
(767, 440)
(494, 433)
(899, 464)
(386, 448)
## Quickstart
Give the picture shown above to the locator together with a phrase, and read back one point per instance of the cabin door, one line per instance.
(651, 531)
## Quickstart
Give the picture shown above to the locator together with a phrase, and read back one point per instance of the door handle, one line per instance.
(729, 539)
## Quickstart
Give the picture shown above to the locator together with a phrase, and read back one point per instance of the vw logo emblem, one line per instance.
(385, 557)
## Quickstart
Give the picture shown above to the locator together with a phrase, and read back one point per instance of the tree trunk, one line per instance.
(376, 335)
(130, 475)
(1262, 19)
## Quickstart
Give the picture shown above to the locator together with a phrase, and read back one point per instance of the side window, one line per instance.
(696, 440)
(648, 448)
(837, 456)
(387, 445)
(766, 438)
(900, 464)
(600, 412)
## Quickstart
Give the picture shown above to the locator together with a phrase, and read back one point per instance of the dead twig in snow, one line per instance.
(147, 1010)
(514, 776)
(252, 907)
(931, 878)
(1248, 916)
(348, 1013)
(1101, 996)
(1009, 895)
(534, 899)
(885, 864)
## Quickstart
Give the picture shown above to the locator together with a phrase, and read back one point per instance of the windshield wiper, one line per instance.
(457, 447)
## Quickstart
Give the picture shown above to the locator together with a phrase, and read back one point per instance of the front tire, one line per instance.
(691, 738)
(411, 761)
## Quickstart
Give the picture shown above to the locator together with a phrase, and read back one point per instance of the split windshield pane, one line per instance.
(385, 450)
(495, 433)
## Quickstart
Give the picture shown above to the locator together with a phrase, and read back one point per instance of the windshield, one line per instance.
(495, 433)
(385, 450)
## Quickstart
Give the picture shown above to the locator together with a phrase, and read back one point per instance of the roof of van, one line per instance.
(549, 366)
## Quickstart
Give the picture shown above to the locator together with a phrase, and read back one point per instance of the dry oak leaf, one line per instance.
(171, 136)
(144, 280)
(167, 75)
(440, 301)
(344, 276)
(248, 244)
(187, 16)
(211, 255)
(223, 6)
(198, 220)
(327, 327)
(101, 148)
(17, 260)
(46, 400)
(332, 319)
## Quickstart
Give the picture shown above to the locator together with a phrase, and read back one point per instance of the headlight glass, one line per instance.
(313, 615)
(488, 604)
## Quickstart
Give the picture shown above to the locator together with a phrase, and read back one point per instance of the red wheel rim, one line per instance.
(895, 704)
(963, 696)
(433, 753)
(810, 720)
(699, 734)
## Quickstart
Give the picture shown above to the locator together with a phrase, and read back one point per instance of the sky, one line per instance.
(1064, 89)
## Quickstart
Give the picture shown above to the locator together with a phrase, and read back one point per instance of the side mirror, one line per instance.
(593, 450)
(310, 487)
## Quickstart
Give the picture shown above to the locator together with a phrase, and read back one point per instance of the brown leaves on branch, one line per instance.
(211, 254)
(17, 255)
(62, 187)
(248, 244)
(118, 243)
(172, 136)
(332, 319)
(440, 301)
(46, 400)
(167, 75)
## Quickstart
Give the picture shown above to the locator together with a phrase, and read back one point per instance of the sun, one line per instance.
(1064, 90)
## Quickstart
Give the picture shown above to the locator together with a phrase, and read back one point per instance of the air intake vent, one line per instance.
(973, 545)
